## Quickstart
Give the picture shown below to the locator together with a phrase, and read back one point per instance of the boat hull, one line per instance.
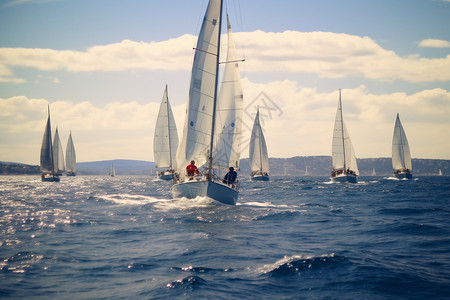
(345, 178)
(214, 190)
(166, 176)
(403, 175)
(50, 178)
(71, 174)
(259, 178)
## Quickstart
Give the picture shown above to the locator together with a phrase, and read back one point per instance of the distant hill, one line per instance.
(294, 166)
(10, 168)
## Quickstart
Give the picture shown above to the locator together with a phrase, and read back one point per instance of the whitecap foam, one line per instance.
(286, 260)
(127, 199)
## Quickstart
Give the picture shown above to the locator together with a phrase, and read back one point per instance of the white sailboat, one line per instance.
(440, 172)
(48, 169)
(306, 171)
(259, 158)
(345, 168)
(401, 156)
(165, 141)
(112, 173)
(373, 172)
(71, 158)
(212, 120)
(58, 155)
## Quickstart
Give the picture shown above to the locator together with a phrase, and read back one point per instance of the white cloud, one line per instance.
(329, 55)
(12, 80)
(433, 43)
(301, 123)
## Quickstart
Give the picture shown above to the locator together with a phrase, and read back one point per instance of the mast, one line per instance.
(213, 121)
(168, 126)
(342, 128)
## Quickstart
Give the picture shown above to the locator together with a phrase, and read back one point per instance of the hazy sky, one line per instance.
(102, 65)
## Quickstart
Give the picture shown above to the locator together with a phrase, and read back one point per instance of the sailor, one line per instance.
(230, 177)
(191, 169)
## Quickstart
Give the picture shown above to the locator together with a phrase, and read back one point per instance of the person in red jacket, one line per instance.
(191, 169)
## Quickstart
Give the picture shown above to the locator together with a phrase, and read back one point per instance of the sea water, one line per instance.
(125, 237)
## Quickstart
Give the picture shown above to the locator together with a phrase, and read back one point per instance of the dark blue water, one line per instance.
(93, 237)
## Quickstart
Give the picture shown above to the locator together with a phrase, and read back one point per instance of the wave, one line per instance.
(298, 263)
(189, 282)
(127, 199)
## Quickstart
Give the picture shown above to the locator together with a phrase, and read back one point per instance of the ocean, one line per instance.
(124, 237)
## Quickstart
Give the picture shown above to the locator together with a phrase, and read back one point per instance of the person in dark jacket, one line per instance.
(230, 177)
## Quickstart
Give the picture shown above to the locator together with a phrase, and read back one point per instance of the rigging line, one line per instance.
(232, 61)
(196, 49)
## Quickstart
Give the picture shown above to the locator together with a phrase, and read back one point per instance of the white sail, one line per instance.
(343, 155)
(112, 173)
(71, 158)
(440, 172)
(259, 158)
(401, 157)
(46, 162)
(165, 141)
(229, 112)
(58, 155)
(196, 140)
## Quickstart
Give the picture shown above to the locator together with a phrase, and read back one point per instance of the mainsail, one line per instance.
(229, 112)
(165, 142)
(71, 159)
(259, 158)
(401, 156)
(196, 140)
(58, 155)
(47, 166)
(343, 155)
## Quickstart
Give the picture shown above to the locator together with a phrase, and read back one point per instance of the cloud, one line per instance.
(300, 122)
(433, 43)
(327, 54)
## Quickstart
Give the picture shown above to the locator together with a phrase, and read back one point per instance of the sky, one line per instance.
(102, 66)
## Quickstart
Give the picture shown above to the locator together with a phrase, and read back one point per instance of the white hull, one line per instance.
(259, 178)
(214, 190)
(403, 175)
(345, 178)
(166, 176)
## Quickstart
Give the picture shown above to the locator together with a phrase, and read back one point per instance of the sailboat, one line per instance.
(211, 134)
(306, 171)
(373, 172)
(58, 155)
(401, 156)
(440, 172)
(112, 173)
(259, 159)
(165, 141)
(48, 168)
(71, 158)
(345, 168)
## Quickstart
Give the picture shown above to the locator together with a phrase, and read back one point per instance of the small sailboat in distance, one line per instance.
(401, 156)
(259, 158)
(165, 141)
(112, 173)
(440, 172)
(48, 168)
(345, 168)
(71, 158)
